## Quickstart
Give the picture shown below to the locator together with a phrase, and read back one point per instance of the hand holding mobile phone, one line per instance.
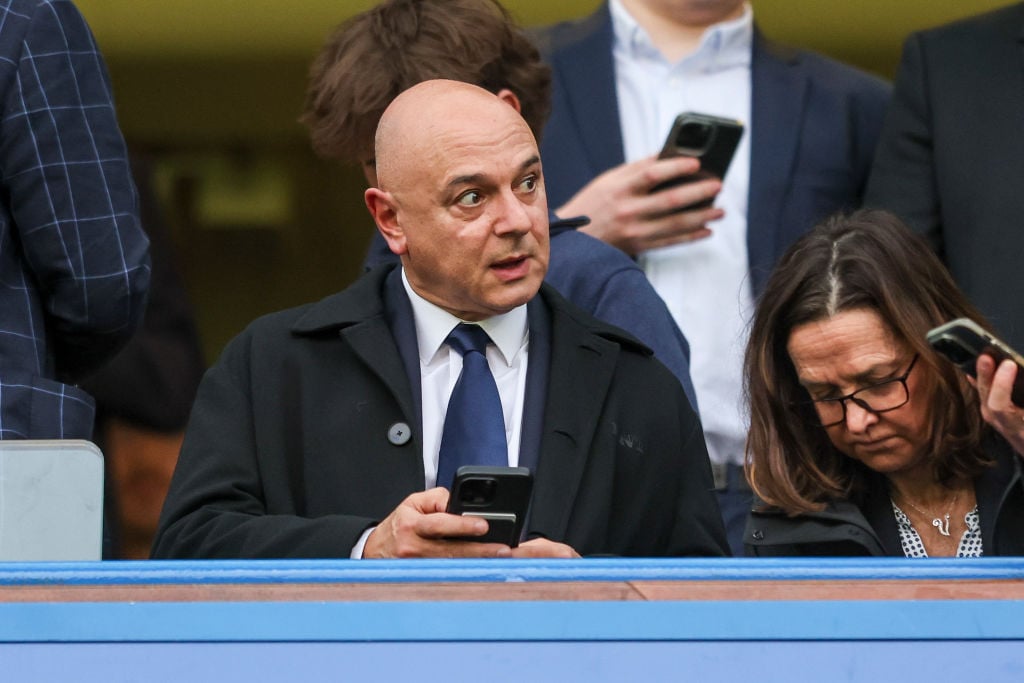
(501, 495)
(963, 340)
(711, 139)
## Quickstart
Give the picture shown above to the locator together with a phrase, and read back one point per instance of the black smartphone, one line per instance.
(963, 340)
(711, 139)
(501, 495)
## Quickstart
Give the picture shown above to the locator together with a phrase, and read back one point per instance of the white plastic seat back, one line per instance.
(51, 500)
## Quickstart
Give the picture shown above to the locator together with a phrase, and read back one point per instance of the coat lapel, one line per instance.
(580, 375)
(778, 103)
(373, 344)
(877, 509)
(360, 316)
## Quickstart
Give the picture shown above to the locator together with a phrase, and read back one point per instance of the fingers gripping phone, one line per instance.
(963, 340)
(501, 495)
(710, 139)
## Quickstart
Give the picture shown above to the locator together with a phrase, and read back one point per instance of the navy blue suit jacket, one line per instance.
(815, 124)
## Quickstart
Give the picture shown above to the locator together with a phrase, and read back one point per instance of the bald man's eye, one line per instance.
(528, 184)
(471, 198)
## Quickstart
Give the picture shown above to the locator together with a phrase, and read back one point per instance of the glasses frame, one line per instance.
(852, 396)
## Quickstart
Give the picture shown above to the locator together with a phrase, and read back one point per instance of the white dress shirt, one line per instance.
(705, 283)
(441, 365)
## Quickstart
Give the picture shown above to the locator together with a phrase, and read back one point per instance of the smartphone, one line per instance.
(963, 340)
(711, 139)
(501, 495)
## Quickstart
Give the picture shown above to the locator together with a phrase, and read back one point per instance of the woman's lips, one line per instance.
(875, 445)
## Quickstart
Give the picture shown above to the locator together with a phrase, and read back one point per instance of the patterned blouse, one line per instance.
(970, 542)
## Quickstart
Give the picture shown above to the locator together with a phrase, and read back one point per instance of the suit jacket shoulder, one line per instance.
(1005, 22)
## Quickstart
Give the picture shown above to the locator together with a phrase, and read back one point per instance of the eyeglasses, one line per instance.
(877, 398)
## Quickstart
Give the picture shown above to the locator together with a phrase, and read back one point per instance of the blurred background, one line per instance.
(211, 92)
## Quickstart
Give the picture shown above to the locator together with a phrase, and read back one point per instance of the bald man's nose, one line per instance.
(514, 216)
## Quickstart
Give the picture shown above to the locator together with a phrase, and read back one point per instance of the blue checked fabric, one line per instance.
(74, 263)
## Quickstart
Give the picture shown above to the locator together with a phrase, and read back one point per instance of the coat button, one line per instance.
(399, 434)
(758, 535)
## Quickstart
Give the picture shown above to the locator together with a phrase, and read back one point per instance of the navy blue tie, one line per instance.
(474, 428)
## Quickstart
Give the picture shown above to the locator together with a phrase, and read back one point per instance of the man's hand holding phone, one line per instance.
(625, 213)
(421, 527)
(666, 200)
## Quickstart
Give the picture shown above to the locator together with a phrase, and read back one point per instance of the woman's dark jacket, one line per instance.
(869, 528)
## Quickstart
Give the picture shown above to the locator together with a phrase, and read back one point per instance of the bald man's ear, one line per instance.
(385, 214)
(509, 98)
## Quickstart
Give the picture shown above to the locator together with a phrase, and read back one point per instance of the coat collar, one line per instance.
(360, 301)
(364, 300)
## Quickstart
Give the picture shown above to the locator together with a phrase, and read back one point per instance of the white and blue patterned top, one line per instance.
(969, 546)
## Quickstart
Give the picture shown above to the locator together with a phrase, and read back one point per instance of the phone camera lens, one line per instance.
(693, 135)
(954, 351)
(477, 492)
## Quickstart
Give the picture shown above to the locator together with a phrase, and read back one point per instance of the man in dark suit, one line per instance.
(620, 77)
(951, 158)
(317, 432)
(74, 261)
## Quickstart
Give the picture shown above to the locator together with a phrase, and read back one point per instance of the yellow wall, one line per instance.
(212, 88)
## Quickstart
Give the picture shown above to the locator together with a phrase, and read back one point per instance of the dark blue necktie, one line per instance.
(474, 428)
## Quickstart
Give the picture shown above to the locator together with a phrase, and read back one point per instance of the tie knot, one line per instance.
(465, 338)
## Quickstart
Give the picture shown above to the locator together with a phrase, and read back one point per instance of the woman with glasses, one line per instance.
(863, 440)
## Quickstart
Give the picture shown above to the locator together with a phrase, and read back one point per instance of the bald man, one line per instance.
(317, 433)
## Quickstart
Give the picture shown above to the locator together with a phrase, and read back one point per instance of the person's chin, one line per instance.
(513, 294)
(883, 456)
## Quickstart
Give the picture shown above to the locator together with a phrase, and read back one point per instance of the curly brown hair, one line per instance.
(372, 57)
(865, 260)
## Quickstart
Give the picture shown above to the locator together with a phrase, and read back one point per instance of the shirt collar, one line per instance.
(724, 45)
(433, 324)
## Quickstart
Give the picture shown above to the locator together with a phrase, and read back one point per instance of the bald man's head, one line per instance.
(419, 118)
(460, 198)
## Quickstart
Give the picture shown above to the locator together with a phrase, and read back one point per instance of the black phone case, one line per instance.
(962, 341)
(504, 506)
(715, 153)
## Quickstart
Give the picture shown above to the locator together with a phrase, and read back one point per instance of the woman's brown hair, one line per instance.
(865, 260)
